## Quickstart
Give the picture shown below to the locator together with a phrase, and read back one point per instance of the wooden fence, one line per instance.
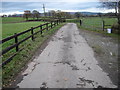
(42, 27)
(104, 25)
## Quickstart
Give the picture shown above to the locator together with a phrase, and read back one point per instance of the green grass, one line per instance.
(94, 23)
(12, 19)
(23, 57)
(15, 19)
(9, 29)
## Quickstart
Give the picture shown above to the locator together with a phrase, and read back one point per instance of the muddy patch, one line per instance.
(44, 85)
(83, 82)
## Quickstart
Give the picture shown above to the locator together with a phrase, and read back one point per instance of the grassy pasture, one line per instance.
(12, 19)
(94, 23)
(9, 29)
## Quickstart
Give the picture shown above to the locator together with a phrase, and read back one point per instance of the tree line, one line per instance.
(51, 14)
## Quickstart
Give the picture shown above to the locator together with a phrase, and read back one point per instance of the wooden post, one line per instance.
(103, 25)
(16, 41)
(47, 26)
(32, 33)
(41, 29)
(57, 22)
(80, 22)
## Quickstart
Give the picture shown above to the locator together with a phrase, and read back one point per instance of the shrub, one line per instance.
(116, 28)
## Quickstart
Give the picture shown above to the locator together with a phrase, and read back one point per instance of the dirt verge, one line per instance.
(105, 50)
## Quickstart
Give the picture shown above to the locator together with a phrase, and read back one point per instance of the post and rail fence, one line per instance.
(42, 27)
(104, 25)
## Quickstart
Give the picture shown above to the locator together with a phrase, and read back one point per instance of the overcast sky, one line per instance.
(18, 6)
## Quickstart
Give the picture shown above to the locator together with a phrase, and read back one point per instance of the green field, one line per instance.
(94, 23)
(12, 19)
(9, 29)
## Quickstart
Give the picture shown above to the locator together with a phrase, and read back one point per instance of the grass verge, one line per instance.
(11, 70)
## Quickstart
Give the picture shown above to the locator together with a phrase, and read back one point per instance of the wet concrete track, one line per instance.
(66, 62)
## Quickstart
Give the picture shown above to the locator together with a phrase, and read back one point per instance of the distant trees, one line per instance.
(52, 14)
(77, 14)
(4, 15)
(59, 14)
(28, 14)
(35, 14)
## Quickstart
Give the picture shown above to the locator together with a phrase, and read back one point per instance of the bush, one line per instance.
(116, 28)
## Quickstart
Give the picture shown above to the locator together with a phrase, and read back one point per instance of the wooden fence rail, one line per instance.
(47, 26)
(104, 25)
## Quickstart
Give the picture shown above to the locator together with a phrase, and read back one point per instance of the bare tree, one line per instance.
(52, 13)
(27, 14)
(112, 5)
(35, 14)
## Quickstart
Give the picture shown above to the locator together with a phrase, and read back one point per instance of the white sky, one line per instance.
(57, 0)
(18, 6)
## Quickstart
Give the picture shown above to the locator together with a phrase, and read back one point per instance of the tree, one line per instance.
(78, 14)
(4, 15)
(52, 13)
(119, 12)
(112, 5)
(27, 14)
(68, 15)
(35, 14)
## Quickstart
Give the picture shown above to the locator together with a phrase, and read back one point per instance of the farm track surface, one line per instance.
(67, 61)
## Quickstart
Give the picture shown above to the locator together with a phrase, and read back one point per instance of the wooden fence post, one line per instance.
(47, 26)
(16, 41)
(57, 22)
(80, 22)
(32, 33)
(103, 25)
(41, 29)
